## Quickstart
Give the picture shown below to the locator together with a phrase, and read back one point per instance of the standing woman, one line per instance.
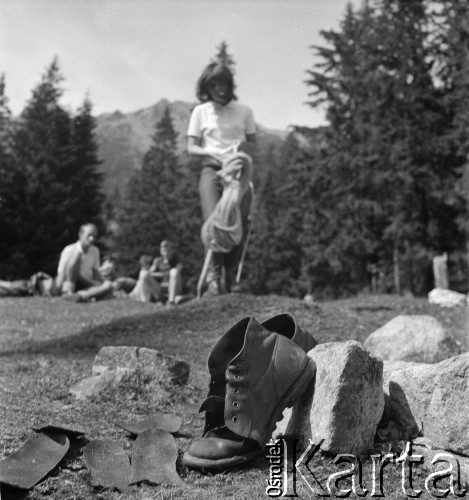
(218, 128)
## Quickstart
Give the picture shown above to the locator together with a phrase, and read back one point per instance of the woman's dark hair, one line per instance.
(214, 72)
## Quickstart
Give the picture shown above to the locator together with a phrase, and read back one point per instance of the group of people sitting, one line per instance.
(81, 277)
(222, 135)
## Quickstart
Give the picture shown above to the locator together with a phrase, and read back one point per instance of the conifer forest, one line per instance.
(363, 203)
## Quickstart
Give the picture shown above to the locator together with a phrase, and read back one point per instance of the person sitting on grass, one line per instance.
(166, 269)
(78, 273)
(160, 280)
(147, 289)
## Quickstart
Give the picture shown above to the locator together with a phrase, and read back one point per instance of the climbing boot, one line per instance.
(229, 345)
(286, 325)
(255, 375)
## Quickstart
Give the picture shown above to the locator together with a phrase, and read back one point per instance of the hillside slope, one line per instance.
(123, 139)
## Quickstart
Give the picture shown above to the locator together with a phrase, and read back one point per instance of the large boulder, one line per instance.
(416, 338)
(344, 405)
(433, 400)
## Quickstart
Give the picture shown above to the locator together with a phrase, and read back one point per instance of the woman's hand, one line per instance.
(194, 149)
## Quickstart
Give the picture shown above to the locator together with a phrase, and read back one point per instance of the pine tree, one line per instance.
(388, 171)
(150, 212)
(451, 35)
(87, 180)
(261, 251)
(223, 57)
(274, 262)
(12, 184)
(53, 161)
(43, 141)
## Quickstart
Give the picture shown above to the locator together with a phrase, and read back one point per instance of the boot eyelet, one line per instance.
(236, 391)
(235, 420)
(236, 404)
(237, 377)
(239, 365)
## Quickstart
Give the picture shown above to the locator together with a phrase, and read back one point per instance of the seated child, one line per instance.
(147, 289)
(166, 269)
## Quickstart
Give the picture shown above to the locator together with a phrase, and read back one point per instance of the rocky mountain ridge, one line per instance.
(124, 138)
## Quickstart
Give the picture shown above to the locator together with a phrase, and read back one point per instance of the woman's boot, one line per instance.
(286, 325)
(255, 375)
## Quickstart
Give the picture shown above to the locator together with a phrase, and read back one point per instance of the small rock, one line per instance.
(446, 298)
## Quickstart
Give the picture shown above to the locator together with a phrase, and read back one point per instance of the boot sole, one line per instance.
(222, 463)
(295, 392)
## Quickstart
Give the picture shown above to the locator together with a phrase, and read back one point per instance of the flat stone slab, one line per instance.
(114, 365)
(114, 357)
(34, 460)
(154, 455)
(150, 364)
(160, 367)
(165, 422)
(108, 464)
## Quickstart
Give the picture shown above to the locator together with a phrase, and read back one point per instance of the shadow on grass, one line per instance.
(188, 331)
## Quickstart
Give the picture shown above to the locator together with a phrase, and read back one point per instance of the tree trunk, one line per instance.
(396, 269)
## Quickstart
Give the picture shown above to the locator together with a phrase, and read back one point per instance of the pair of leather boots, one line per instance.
(256, 371)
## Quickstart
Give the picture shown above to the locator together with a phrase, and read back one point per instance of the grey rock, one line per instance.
(150, 364)
(160, 367)
(433, 400)
(114, 365)
(418, 338)
(112, 357)
(344, 404)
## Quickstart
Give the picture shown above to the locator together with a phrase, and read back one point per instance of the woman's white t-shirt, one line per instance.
(221, 129)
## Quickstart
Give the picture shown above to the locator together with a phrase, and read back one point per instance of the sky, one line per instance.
(128, 54)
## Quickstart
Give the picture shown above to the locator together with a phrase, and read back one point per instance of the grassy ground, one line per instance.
(46, 345)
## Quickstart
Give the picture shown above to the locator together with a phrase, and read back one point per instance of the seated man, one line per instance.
(78, 275)
(166, 269)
